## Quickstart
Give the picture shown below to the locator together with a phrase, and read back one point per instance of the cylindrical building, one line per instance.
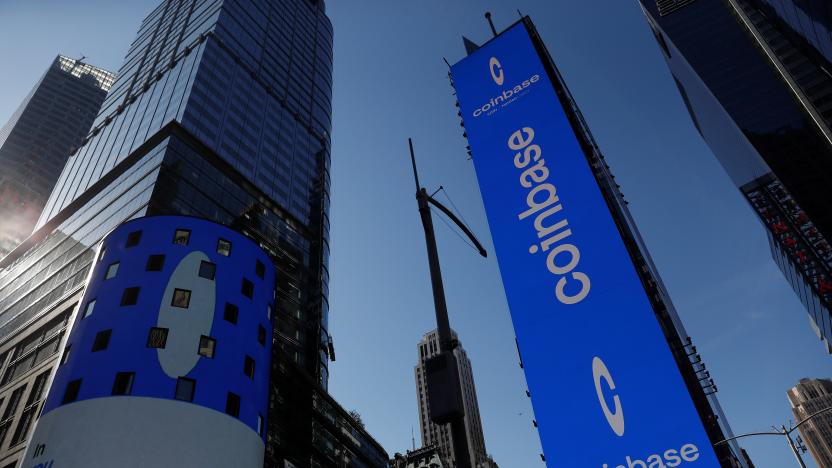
(167, 364)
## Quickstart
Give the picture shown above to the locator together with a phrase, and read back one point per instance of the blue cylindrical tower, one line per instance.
(167, 364)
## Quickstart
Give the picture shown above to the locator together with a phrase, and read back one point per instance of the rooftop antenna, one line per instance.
(491, 23)
(413, 438)
(441, 375)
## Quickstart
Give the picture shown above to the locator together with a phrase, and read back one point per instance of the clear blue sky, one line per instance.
(390, 83)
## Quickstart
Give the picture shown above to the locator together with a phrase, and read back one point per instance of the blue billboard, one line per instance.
(605, 388)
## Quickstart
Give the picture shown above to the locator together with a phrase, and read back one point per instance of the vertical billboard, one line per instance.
(605, 388)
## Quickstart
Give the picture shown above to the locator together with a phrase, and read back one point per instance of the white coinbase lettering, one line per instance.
(669, 459)
(543, 202)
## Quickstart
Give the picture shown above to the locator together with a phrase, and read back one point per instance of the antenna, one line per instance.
(491, 23)
(413, 438)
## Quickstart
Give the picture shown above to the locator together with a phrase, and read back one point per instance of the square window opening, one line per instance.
(101, 341)
(181, 236)
(260, 269)
(123, 383)
(181, 298)
(185, 389)
(207, 270)
(130, 296)
(71, 392)
(247, 288)
(261, 335)
(248, 367)
(207, 346)
(157, 338)
(232, 404)
(155, 263)
(224, 247)
(133, 239)
(112, 271)
(88, 309)
(231, 312)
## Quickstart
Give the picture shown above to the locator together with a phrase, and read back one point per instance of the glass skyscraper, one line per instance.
(755, 76)
(36, 141)
(221, 110)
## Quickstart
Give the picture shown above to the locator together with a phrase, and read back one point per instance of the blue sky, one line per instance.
(390, 84)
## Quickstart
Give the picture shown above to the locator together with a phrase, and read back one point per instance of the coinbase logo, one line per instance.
(496, 70)
(507, 95)
(615, 417)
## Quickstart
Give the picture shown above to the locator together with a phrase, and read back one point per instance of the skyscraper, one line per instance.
(806, 398)
(754, 75)
(36, 141)
(440, 435)
(221, 110)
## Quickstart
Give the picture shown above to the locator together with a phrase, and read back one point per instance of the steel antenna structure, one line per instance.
(442, 371)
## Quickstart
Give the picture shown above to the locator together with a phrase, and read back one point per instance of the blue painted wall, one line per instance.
(127, 350)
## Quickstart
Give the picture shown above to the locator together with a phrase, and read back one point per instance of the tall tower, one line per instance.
(440, 435)
(754, 75)
(808, 397)
(585, 298)
(222, 111)
(38, 138)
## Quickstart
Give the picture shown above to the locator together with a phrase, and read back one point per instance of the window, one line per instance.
(261, 335)
(157, 338)
(207, 345)
(88, 309)
(224, 247)
(133, 239)
(30, 410)
(248, 367)
(123, 383)
(247, 289)
(155, 263)
(130, 296)
(65, 356)
(112, 270)
(231, 312)
(181, 298)
(185, 388)
(269, 312)
(259, 423)
(260, 269)
(181, 236)
(102, 340)
(71, 392)
(207, 270)
(100, 257)
(232, 404)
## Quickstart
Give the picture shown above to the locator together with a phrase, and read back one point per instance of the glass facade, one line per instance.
(222, 110)
(754, 76)
(38, 138)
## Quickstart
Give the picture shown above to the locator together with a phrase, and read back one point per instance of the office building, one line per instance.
(806, 398)
(440, 435)
(425, 457)
(513, 101)
(755, 77)
(222, 111)
(36, 141)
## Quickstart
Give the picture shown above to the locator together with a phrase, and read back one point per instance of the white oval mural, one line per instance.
(186, 324)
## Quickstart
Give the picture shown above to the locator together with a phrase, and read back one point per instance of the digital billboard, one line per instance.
(605, 388)
(169, 356)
